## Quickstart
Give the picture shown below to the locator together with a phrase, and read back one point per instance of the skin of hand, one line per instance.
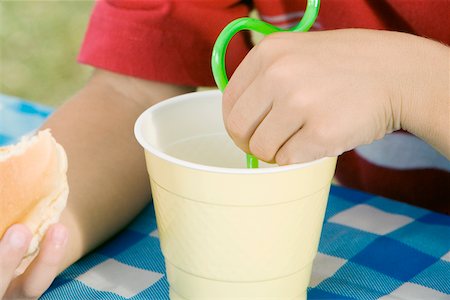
(107, 177)
(39, 275)
(298, 97)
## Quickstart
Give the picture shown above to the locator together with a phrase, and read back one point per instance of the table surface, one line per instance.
(371, 247)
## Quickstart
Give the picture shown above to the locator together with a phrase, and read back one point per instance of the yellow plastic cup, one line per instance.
(228, 232)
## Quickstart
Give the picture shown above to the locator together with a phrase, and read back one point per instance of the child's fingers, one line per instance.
(41, 273)
(242, 77)
(273, 132)
(13, 247)
(306, 145)
(246, 114)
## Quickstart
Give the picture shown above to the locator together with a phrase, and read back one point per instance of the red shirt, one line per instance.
(171, 41)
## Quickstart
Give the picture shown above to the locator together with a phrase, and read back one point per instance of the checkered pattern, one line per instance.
(371, 247)
(18, 118)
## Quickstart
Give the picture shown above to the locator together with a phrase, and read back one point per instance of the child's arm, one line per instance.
(107, 174)
(301, 96)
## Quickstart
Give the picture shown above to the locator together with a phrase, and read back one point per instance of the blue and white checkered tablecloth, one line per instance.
(371, 247)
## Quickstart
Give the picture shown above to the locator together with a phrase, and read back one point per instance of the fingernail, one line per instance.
(16, 238)
(59, 236)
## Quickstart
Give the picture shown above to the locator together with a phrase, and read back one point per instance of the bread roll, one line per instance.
(33, 187)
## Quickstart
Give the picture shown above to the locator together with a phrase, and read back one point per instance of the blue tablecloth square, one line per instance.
(19, 117)
(75, 287)
(6, 140)
(436, 219)
(23, 107)
(343, 241)
(59, 281)
(360, 282)
(336, 205)
(146, 255)
(32, 108)
(315, 293)
(437, 277)
(395, 207)
(431, 239)
(393, 258)
(120, 242)
(145, 222)
(357, 197)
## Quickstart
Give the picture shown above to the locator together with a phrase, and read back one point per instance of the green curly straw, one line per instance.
(218, 54)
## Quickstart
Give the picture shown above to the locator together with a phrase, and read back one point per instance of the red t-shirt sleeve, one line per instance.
(167, 41)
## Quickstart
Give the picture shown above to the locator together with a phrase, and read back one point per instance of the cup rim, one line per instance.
(138, 129)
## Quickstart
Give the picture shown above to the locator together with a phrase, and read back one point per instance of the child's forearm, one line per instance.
(425, 92)
(107, 175)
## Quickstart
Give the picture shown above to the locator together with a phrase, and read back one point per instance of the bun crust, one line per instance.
(33, 187)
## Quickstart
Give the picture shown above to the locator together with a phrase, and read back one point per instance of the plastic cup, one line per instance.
(228, 232)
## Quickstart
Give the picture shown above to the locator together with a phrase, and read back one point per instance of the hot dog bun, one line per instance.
(33, 187)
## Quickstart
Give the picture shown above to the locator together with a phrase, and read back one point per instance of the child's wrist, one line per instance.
(424, 91)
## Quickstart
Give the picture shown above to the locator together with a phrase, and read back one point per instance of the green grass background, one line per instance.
(39, 42)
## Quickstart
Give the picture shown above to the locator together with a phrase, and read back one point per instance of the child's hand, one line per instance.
(297, 97)
(40, 274)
